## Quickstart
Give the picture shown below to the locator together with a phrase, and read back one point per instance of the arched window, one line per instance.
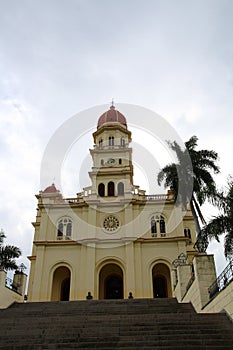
(187, 233)
(100, 143)
(101, 190)
(153, 227)
(102, 162)
(162, 225)
(111, 141)
(158, 226)
(122, 142)
(111, 191)
(69, 230)
(64, 230)
(120, 189)
(60, 230)
(120, 161)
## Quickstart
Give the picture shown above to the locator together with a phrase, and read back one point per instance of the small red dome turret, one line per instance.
(51, 189)
(112, 116)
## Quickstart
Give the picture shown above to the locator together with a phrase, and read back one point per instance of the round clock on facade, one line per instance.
(111, 161)
(111, 223)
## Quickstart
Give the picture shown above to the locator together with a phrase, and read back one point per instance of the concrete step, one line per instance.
(116, 306)
(143, 324)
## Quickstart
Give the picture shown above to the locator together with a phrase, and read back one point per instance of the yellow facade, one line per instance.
(112, 239)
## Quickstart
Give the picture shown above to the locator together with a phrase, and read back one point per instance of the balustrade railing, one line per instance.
(156, 197)
(222, 281)
(153, 197)
(110, 146)
(9, 283)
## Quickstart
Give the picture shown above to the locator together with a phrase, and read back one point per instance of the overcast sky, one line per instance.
(59, 57)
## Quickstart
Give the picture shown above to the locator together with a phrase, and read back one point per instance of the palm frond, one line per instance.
(191, 143)
(8, 254)
(2, 236)
(228, 244)
(216, 227)
(191, 179)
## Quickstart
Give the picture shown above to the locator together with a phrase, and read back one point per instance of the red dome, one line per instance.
(111, 116)
(50, 189)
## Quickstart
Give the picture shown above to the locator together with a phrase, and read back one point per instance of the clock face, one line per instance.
(111, 161)
(111, 223)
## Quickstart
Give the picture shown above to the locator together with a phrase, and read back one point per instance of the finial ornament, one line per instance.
(22, 267)
(112, 104)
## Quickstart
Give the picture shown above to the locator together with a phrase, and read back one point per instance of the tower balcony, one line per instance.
(107, 147)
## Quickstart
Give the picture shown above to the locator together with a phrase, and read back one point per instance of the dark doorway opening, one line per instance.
(111, 282)
(160, 287)
(65, 290)
(114, 287)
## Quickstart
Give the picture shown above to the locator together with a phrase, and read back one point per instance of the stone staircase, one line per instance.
(145, 324)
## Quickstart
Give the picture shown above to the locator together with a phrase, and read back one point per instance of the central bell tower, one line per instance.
(112, 170)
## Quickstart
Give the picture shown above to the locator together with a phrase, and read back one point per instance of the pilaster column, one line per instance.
(129, 278)
(138, 271)
(205, 275)
(183, 276)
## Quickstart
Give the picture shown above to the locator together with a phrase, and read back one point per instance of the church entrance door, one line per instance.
(61, 284)
(160, 287)
(161, 279)
(65, 289)
(114, 287)
(111, 282)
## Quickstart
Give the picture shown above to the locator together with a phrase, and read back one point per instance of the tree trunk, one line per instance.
(195, 216)
(202, 241)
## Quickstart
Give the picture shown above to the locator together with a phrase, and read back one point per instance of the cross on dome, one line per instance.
(112, 104)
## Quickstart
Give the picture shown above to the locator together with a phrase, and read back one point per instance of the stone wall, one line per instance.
(221, 302)
(204, 276)
(9, 296)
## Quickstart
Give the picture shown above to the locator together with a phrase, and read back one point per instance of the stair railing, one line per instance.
(222, 281)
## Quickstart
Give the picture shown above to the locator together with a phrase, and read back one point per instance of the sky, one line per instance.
(61, 57)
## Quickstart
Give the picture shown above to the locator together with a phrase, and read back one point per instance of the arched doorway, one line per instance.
(161, 281)
(111, 282)
(61, 284)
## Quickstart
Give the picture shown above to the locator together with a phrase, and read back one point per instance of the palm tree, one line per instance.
(223, 223)
(8, 254)
(2, 236)
(191, 181)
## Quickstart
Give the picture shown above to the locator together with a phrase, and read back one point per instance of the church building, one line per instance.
(112, 240)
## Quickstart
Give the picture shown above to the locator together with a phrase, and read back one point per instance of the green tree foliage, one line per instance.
(223, 223)
(8, 254)
(191, 180)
